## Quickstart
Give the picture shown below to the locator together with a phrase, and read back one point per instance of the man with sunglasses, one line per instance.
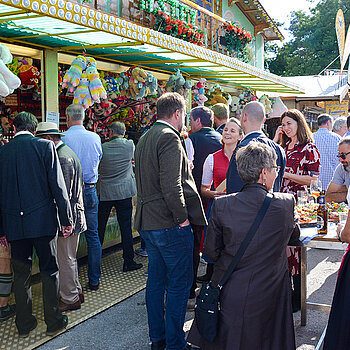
(338, 188)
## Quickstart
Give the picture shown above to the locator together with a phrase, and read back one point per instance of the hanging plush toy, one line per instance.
(137, 87)
(198, 92)
(72, 78)
(97, 90)
(264, 99)
(152, 84)
(123, 81)
(82, 93)
(8, 81)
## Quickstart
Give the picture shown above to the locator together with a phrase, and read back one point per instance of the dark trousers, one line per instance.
(46, 250)
(123, 208)
(197, 235)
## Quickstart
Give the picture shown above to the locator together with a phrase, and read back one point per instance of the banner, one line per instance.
(340, 31)
(335, 108)
(346, 51)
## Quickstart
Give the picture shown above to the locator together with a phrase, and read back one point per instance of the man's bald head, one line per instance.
(255, 112)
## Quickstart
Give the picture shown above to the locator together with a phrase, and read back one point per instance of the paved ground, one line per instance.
(124, 326)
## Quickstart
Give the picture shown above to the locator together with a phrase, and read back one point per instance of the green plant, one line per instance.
(236, 40)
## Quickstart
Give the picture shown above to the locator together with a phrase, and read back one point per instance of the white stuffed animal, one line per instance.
(8, 80)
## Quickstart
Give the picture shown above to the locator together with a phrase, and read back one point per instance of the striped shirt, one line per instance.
(327, 144)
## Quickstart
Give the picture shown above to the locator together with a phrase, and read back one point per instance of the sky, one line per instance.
(281, 13)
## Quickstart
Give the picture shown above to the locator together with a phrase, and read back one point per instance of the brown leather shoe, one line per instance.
(69, 307)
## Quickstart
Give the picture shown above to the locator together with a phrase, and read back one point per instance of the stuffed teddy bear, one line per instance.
(82, 93)
(234, 105)
(216, 96)
(97, 90)
(137, 74)
(72, 78)
(8, 81)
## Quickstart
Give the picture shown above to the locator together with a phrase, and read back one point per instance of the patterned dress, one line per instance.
(301, 160)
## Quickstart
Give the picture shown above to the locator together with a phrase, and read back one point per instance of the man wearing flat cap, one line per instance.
(70, 289)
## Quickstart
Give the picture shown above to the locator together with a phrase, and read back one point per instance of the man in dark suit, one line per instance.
(71, 293)
(205, 141)
(252, 119)
(32, 192)
(221, 115)
(167, 203)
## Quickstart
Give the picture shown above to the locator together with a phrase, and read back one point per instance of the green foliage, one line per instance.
(314, 43)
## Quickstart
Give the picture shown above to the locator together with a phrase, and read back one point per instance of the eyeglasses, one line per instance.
(277, 167)
(342, 155)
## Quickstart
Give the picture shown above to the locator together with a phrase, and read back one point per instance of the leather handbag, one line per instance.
(208, 301)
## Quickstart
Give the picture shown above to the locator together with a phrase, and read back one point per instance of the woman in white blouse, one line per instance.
(214, 173)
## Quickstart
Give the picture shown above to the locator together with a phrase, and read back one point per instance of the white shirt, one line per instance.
(24, 132)
(189, 149)
(207, 177)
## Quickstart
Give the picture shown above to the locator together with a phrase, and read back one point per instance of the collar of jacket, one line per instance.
(169, 126)
(116, 137)
(254, 187)
(60, 146)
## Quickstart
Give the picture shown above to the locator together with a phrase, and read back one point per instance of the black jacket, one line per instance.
(32, 189)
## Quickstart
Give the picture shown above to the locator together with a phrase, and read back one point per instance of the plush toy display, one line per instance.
(245, 97)
(123, 81)
(97, 90)
(111, 86)
(264, 99)
(72, 78)
(215, 95)
(198, 92)
(152, 84)
(234, 105)
(179, 84)
(8, 81)
(82, 93)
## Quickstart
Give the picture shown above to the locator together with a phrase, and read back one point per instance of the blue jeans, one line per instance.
(170, 269)
(91, 234)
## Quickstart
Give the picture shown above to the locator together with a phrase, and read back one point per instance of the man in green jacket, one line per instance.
(168, 202)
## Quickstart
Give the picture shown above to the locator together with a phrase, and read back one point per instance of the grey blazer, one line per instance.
(116, 176)
(73, 177)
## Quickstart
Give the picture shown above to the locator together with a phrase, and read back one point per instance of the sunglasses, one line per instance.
(342, 155)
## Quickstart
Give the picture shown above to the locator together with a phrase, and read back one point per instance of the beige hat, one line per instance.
(47, 128)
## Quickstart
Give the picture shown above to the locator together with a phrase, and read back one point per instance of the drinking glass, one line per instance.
(342, 218)
(302, 197)
(315, 188)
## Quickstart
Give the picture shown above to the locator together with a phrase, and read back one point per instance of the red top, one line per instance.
(220, 167)
(301, 160)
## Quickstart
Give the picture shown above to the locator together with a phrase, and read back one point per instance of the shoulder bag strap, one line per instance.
(247, 239)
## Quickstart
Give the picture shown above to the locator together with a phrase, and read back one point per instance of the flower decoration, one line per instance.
(236, 40)
(178, 28)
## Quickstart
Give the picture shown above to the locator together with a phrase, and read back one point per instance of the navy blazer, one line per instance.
(234, 182)
(31, 186)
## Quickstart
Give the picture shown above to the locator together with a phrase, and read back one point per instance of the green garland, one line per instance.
(184, 10)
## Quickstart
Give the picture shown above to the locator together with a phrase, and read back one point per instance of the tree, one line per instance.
(314, 43)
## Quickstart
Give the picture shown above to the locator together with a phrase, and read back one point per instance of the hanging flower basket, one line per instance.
(177, 28)
(236, 40)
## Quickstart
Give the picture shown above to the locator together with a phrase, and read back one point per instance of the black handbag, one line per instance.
(208, 301)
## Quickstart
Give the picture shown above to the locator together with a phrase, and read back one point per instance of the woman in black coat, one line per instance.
(255, 302)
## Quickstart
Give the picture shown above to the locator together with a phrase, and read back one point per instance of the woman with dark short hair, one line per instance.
(255, 306)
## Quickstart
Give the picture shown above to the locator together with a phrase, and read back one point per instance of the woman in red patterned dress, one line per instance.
(303, 162)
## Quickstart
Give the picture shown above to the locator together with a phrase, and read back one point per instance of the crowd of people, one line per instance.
(196, 196)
